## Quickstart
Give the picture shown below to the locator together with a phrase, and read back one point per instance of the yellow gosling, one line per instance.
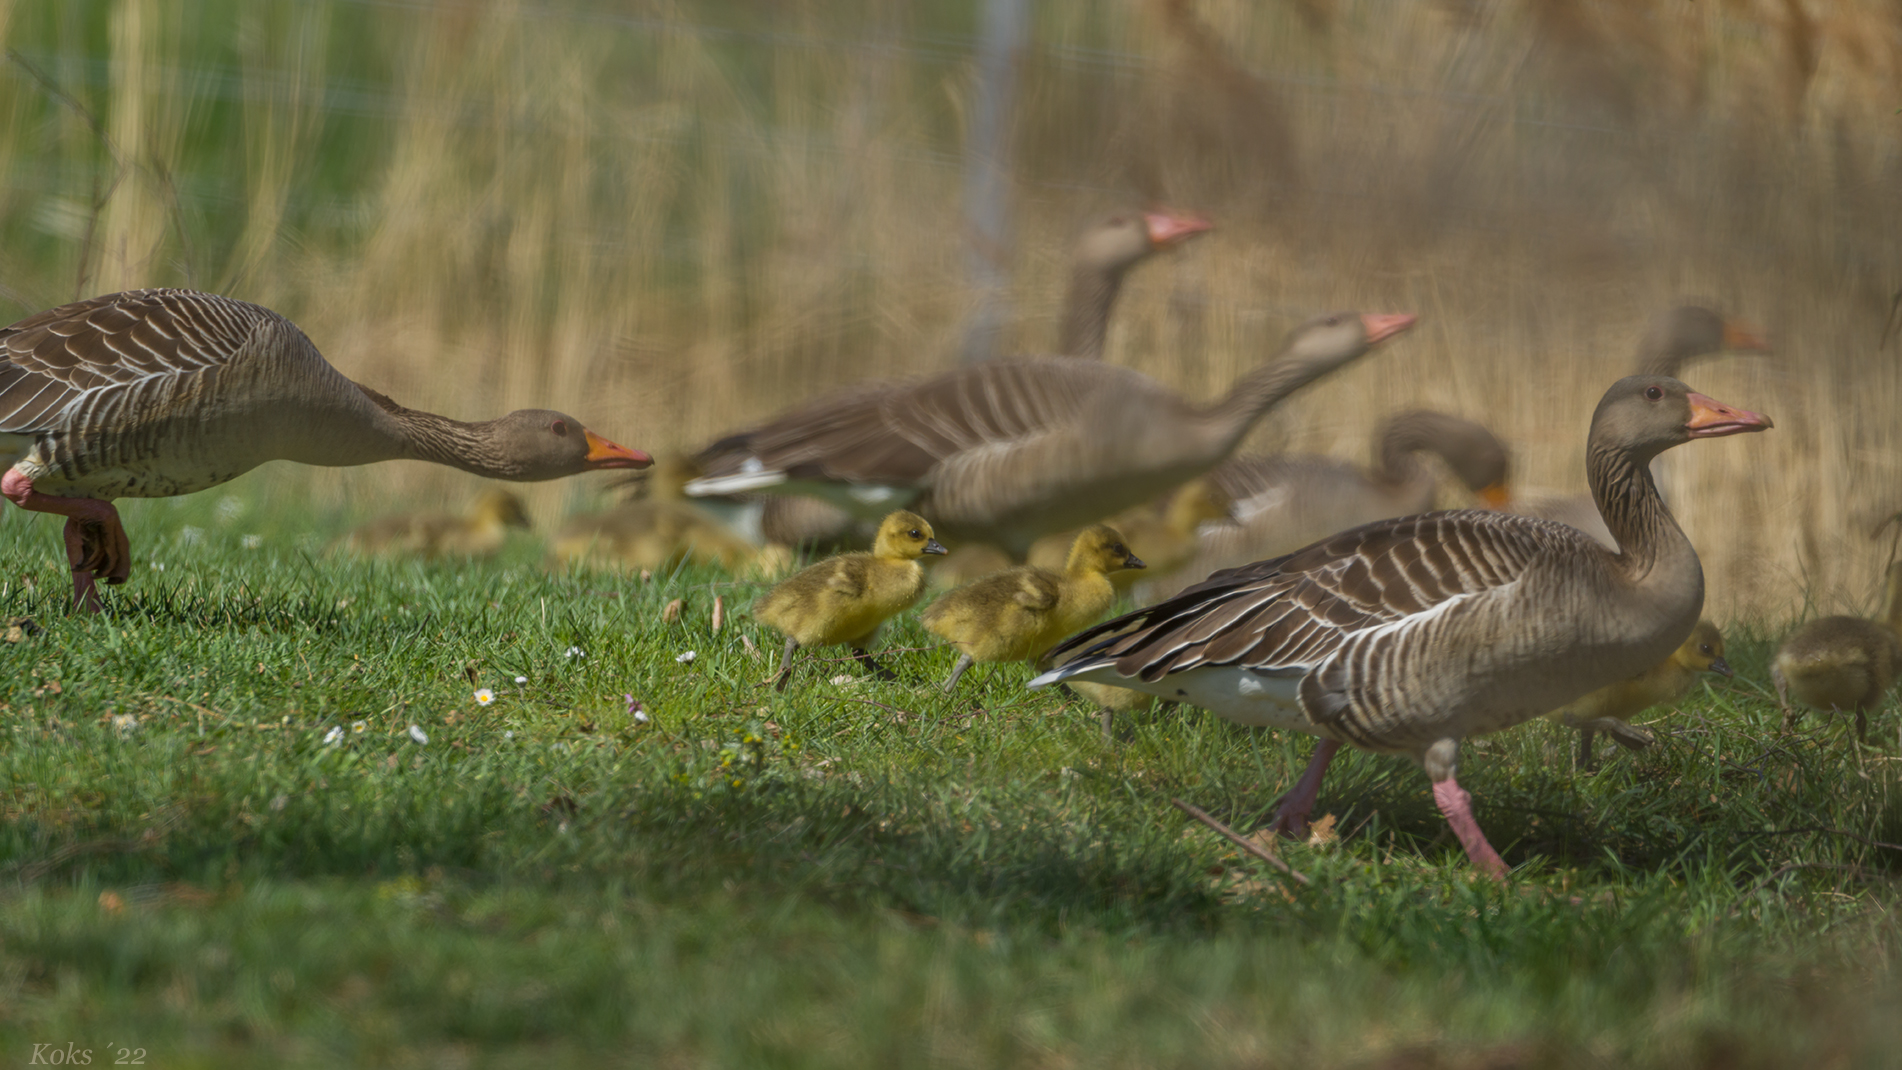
(1167, 538)
(1610, 709)
(479, 534)
(661, 531)
(1017, 614)
(844, 599)
(1842, 663)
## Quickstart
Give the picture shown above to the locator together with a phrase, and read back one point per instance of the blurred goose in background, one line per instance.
(1167, 537)
(1409, 635)
(1842, 663)
(1287, 501)
(660, 531)
(1611, 708)
(429, 535)
(1671, 340)
(1108, 248)
(845, 599)
(1006, 451)
(1017, 614)
(152, 393)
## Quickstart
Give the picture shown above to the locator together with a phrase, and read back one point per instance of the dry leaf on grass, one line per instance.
(1321, 833)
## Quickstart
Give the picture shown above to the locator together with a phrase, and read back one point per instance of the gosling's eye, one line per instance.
(1703, 648)
(1653, 392)
(559, 427)
(915, 533)
(1118, 549)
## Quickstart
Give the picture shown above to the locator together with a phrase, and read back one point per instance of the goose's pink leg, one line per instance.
(1457, 805)
(96, 541)
(1291, 817)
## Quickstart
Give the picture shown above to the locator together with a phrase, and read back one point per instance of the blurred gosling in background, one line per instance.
(661, 531)
(481, 533)
(1842, 663)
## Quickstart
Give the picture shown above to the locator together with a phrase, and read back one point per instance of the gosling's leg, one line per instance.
(785, 664)
(1790, 713)
(1586, 737)
(881, 672)
(951, 682)
(1291, 817)
(1108, 717)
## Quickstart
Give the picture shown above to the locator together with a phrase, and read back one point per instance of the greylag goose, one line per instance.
(151, 393)
(1107, 250)
(1842, 663)
(660, 531)
(1017, 614)
(1288, 501)
(846, 598)
(1671, 340)
(1611, 708)
(1006, 451)
(429, 535)
(1409, 635)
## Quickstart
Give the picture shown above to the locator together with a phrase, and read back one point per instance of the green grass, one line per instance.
(859, 874)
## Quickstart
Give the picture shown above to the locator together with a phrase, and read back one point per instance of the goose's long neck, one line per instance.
(1254, 394)
(424, 436)
(1633, 512)
(1086, 312)
(1403, 437)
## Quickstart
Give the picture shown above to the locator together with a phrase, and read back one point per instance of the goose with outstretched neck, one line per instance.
(1103, 255)
(1007, 451)
(1410, 635)
(153, 393)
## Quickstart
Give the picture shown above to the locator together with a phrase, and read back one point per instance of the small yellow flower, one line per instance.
(484, 696)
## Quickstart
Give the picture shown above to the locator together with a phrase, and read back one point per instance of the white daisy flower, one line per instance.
(521, 679)
(575, 652)
(416, 733)
(360, 727)
(334, 736)
(484, 696)
(686, 658)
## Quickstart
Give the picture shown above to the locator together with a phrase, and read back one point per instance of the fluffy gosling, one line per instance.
(1166, 536)
(1842, 663)
(844, 599)
(1610, 709)
(479, 534)
(1017, 614)
(661, 531)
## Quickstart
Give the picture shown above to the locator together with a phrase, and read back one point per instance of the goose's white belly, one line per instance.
(1233, 694)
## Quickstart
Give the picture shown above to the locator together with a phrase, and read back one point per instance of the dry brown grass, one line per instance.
(669, 231)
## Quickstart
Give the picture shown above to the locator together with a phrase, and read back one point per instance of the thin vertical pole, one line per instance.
(987, 234)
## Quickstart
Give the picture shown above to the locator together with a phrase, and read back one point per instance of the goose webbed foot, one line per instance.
(96, 543)
(1291, 817)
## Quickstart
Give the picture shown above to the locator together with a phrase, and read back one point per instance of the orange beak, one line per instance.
(1711, 418)
(1381, 326)
(1745, 338)
(1495, 496)
(605, 454)
(1168, 228)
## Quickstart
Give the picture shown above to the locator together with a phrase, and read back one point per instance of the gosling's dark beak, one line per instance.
(933, 546)
(1132, 561)
(1721, 668)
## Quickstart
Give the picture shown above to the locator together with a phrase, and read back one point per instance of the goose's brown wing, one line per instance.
(899, 432)
(51, 359)
(1288, 615)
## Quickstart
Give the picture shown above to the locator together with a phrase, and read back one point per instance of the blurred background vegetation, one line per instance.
(670, 218)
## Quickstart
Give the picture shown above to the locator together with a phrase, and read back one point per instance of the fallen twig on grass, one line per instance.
(1237, 839)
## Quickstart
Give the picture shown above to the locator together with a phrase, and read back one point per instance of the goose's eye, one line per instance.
(1119, 221)
(1332, 321)
(1653, 392)
(559, 427)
